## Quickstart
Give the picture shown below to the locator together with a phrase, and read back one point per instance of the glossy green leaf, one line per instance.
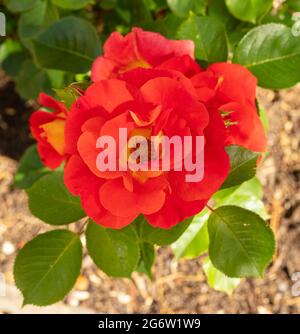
(147, 257)
(249, 10)
(21, 5)
(30, 169)
(218, 10)
(50, 201)
(47, 267)
(272, 54)
(242, 166)
(248, 196)
(13, 63)
(8, 47)
(183, 8)
(72, 4)
(194, 241)
(217, 280)
(36, 20)
(167, 26)
(209, 37)
(70, 44)
(159, 236)
(116, 252)
(241, 243)
(31, 80)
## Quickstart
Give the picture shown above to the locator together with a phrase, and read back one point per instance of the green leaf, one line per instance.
(72, 4)
(59, 79)
(21, 5)
(147, 259)
(272, 54)
(31, 80)
(50, 201)
(248, 196)
(167, 26)
(264, 118)
(249, 10)
(217, 280)
(108, 4)
(159, 236)
(30, 169)
(209, 37)
(183, 8)
(70, 94)
(219, 11)
(47, 267)
(36, 20)
(13, 63)
(8, 47)
(294, 4)
(70, 44)
(242, 166)
(194, 241)
(116, 252)
(241, 243)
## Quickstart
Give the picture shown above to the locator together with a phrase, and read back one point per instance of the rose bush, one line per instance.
(194, 75)
(157, 87)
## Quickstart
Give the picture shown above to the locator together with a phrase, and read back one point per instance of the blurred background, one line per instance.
(177, 286)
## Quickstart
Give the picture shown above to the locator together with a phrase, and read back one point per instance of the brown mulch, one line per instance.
(176, 287)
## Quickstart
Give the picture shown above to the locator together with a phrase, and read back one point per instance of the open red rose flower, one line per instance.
(151, 86)
(48, 129)
(137, 49)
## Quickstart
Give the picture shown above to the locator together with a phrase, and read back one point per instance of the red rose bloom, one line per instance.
(159, 100)
(229, 90)
(48, 129)
(149, 85)
(137, 49)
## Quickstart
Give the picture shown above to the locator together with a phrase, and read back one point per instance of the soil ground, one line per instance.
(176, 287)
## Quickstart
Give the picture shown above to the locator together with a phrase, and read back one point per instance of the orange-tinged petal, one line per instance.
(55, 134)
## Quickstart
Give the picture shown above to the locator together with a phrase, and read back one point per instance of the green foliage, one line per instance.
(248, 196)
(158, 236)
(217, 280)
(72, 4)
(71, 39)
(147, 258)
(209, 37)
(249, 10)
(36, 20)
(47, 267)
(50, 201)
(272, 54)
(184, 8)
(242, 166)
(31, 80)
(194, 241)
(21, 5)
(30, 169)
(116, 252)
(241, 243)
(52, 43)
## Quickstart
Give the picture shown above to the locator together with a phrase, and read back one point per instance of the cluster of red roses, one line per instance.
(144, 81)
